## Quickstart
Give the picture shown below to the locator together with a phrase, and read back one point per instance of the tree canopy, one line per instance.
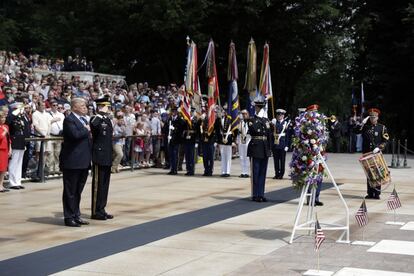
(320, 51)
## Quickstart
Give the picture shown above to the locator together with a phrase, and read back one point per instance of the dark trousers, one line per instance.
(189, 151)
(279, 157)
(173, 154)
(181, 154)
(208, 157)
(101, 176)
(26, 158)
(259, 169)
(318, 190)
(73, 183)
(373, 192)
(336, 144)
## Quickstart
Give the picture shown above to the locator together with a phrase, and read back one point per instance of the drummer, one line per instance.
(374, 139)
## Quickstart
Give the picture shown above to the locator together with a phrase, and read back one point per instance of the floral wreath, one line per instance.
(308, 142)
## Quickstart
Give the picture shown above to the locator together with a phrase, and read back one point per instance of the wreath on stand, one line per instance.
(309, 141)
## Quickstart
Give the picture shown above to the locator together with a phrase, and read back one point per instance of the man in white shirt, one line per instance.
(155, 136)
(42, 121)
(56, 129)
(130, 122)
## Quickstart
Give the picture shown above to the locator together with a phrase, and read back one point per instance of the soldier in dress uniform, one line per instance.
(374, 139)
(259, 150)
(281, 142)
(243, 142)
(175, 129)
(102, 132)
(207, 142)
(225, 141)
(190, 140)
(17, 125)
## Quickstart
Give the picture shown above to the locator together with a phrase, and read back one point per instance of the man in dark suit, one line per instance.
(75, 161)
(102, 133)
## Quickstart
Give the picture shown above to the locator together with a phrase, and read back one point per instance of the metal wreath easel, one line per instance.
(310, 220)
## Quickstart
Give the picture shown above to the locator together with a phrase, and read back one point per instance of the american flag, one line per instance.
(393, 201)
(362, 215)
(319, 236)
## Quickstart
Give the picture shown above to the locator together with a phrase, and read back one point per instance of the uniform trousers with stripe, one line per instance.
(258, 177)
(226, 154)
(15, 168)
(101, 176)
(244, 160)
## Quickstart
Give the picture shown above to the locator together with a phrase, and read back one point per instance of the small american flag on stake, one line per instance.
(393, 201)
(362, 215)
(319, 236)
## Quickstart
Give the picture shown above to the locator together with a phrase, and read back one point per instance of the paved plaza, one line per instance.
(183, 225)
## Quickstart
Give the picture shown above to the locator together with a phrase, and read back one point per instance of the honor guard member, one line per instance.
(281, 142)
(225, 141)
(17, 125)
(190, 135)
(374, 139)
(243, 141)
(259, 150)
(102, 131)
(207, 142)
(175, 130)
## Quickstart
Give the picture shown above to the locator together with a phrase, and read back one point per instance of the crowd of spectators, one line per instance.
(137, 109)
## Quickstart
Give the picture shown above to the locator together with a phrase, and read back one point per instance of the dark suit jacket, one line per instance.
(76, 150)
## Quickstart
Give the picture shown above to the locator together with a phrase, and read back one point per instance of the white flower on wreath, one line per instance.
(310, 131)
(304, 158)
(312, 141)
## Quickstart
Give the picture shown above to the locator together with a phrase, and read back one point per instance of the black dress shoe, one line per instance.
(109, 216)
(189, 173)
(254, 198)
(227, 175)
(280, 177)
(246, 176)
(275, 177)
(376, 197)
(21, 187)
(98, 217)
(71, 223)
(81, 221)
(223, 175)
(263, 199)
(369, 197)
(14, 187)
(318, 203)
(241, 176)
(172, 173)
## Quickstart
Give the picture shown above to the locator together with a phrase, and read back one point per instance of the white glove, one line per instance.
(172, 127)
(215, 144)
(376, 150)
(365, 120)
(196, 145)
(286, 148)
(274, 121)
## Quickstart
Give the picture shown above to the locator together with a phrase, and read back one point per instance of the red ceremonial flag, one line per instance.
(393, 201)
(265, 86)
(362, 215)
(185, 109)
(319, 236)
(213, 88)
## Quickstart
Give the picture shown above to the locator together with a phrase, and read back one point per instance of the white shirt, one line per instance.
(56, 127)
(129, 123)
(155, 126)
(42, 122)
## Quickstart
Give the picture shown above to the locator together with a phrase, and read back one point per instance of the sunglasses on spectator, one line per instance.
(54, 105)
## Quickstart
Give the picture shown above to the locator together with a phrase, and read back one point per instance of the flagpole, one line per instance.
(318, 260)
(273, 108)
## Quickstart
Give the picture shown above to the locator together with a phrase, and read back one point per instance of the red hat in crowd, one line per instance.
(313, 107)
(374, 112)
